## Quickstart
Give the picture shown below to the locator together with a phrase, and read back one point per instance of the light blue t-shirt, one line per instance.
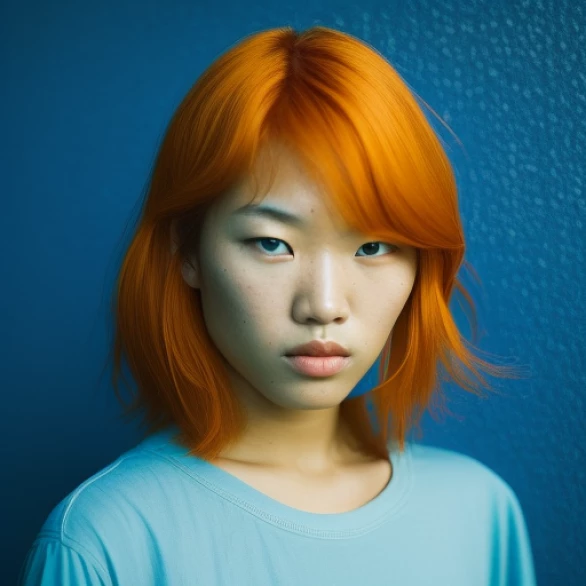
(159, 517)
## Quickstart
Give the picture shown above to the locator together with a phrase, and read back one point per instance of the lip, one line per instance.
(317, 348)
(318, 366)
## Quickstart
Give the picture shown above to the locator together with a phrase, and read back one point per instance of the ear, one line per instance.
(189, 267)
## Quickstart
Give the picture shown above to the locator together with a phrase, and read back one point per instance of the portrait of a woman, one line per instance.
(301, 223)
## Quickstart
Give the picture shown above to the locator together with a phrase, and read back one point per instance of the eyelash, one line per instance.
(259, 239)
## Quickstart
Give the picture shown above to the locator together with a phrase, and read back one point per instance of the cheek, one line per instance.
(384, 300)
(235, 305)
(222, 298)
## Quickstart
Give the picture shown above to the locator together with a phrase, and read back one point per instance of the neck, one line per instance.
(296, 447)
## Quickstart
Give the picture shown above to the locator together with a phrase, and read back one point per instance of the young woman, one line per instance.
(301, 223)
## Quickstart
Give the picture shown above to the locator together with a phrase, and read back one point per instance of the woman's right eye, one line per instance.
(268, 245)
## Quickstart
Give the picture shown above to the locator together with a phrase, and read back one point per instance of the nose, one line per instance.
(322, 292)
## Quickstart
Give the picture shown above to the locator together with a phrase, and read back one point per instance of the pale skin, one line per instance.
(302, 281)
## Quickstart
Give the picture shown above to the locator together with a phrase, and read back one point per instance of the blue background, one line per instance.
(88, 89)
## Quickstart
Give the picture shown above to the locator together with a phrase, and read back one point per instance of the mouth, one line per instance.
(319, 349)
(318, 366)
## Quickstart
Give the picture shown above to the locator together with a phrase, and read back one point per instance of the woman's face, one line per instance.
(303, 279)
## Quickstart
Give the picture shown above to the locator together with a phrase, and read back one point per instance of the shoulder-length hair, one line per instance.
(361, 133)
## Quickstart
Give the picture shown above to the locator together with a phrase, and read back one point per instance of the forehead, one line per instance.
(279, 180)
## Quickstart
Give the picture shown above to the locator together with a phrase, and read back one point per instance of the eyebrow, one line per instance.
(266, 211)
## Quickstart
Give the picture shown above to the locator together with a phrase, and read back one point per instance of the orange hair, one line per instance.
(360, 132)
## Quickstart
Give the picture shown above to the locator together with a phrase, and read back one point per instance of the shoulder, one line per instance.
(106, 529)
(114, 504)
(470, 508)
(460, 475)
(450, 463)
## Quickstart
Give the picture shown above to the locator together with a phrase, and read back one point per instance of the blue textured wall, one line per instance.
(87, 92)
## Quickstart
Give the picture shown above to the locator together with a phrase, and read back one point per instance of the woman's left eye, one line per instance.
(374, 247)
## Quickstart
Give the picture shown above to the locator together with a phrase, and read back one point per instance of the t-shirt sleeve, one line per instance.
(52, 563)
(514, 561)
